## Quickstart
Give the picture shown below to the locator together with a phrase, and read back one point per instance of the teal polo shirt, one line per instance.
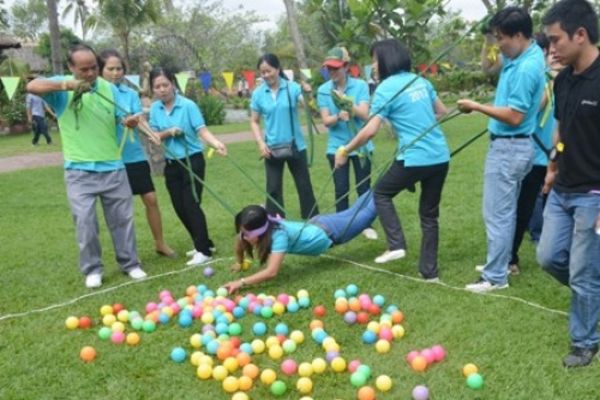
(340, 133)
(130, 101)
(58, 101)
(411, 114)
(520, 87)
(185, 115)
(275, 111)
(299, 238)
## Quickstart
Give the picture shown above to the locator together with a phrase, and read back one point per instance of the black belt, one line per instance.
(519, 136)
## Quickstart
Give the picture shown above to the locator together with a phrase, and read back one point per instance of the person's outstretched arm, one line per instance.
(269, 272)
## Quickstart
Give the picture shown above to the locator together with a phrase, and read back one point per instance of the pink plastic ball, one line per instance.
(429, 356)
(438, 352)
(197, 312)
(151, 307)
(289, 367)
(353, 365)
(411, 356)
(176, 308)
(163, 294)
(420, 392)
(283, 299)
(117, 337)
(386, 334)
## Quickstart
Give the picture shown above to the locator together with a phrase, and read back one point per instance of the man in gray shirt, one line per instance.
(36, 115)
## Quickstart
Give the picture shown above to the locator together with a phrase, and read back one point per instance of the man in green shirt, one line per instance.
(93, 166)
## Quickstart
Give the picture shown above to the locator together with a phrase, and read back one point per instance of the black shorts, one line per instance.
(139, 177)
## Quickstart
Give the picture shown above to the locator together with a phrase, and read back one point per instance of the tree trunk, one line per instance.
(296, 38)
(488, 5)
(57, 66)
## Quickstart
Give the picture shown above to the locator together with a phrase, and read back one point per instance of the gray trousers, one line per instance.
(83, 188)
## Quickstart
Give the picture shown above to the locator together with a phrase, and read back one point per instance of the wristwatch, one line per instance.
(555, 151)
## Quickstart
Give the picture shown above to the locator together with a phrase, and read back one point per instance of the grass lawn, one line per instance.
(517, 346)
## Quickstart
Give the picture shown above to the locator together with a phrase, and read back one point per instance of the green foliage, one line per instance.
(14, 111)
(28, 18)
(460, 80)
(213, 109)
(67, 39)
(240, 103)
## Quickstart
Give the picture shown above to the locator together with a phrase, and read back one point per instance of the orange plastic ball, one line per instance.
(245, 383)
(243, 358)
(341, 306)
(316, 323)
(251, 371)
(366, 393)
(469, 369)
(87, 354)
(419, 363)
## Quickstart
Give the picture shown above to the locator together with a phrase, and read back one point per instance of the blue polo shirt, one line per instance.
(411, 114)
(58, 101)
(299, 238)
(130, 101)
(340, 133)
(276, 113)
(185, 115)
(520, 87)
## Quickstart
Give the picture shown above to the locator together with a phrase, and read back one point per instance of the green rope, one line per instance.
(468, 143)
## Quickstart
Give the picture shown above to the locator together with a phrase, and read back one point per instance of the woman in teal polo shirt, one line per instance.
(178, 122)
(112, 68)
(276, 100)
(411, 113)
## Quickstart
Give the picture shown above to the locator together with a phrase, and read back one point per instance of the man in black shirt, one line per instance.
(569, 247)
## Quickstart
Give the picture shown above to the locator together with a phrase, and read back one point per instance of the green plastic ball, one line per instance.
(358, 379)
(104, 333)
(278, 388)
(475, 381)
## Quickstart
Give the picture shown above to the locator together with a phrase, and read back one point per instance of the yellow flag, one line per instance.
(228, 76)
(182, 80)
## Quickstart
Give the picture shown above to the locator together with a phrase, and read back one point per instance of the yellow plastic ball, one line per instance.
(338, 364)
(258, 346)
(278, 308)
(297, 336)
(469, 369)
(329, 344)
(302, 293)
(167, 310)
(231, 384)
(398, 331)
(305, 369)
(272, 341)
(231, 363)
(245, 383)
(106, 310)
(276, 352)
(240, 396)
(195, 358)
(207, 318)
(72, 323)
(118, 326)
(204, 371)
(268, 376)
(374, 326)
(306, 398)
(382, 346)
(383, 383)
(132, 339)
(196, 340)
(109, 319)
(246, 264)
(304, 385)
(319, 365)
(123, 316)
(219, 373)
(205, 359)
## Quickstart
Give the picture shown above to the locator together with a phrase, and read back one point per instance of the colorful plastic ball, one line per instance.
(243, 358)
(178, 354)
(132, 339)
(258, 346)
(319, 311)
(419, 363)
(420, 392)
(305, 369)
(235, 329)
(362, 318)
(275, 352)
(185, 320)
(357, 379)
(208, 272)
(85, 322)
(289, 346)
(219, 373)
(438, 353)
(222, 292)
(386, 334)
(117, 337)
(365, 370)
(304, 385)
(232, 364)
(149, 326)
(289, 367)
(469, 369)
(319, 335)
(246, 348)
(259, 328)
(251, 371)
(339, 293)
(122, 315)
(240, 396)
(297, 336)
(398, 331)
(278, 308)
(302, 293)
(429, 356)
(338, 364)
(304, 302)
(272, 341)
(118, 327)
(106, 310)
(230, 384)
(411, 356)
(330, 355)
(369, 337)
(350, 317)
(319, 365)
(383, 383)
(475, 381)
(379, 300)
(72, 323)
(104, 333)
(351, 290)
(245, 383)
(366, 393)
(278, 388)
(109, 319)
(204, 371)
(117, 308)
(266, 312)
(212, 347)
(316, 323)
(293, 307)
(341, 305)
(87, 354)
(268, 376)
(353, 365)
(397, 317)
(281, 329)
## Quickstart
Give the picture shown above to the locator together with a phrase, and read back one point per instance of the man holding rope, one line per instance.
(513, 118)
(93, 166)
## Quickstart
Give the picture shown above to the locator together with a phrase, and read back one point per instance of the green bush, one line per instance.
(240, 103)
(213, 109)
(460, 80)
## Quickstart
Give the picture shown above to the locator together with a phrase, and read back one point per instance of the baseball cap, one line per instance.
(336, 57)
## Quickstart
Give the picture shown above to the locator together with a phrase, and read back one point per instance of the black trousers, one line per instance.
(190, 213)
(341, 179)
(398, 178)
(40, 127)
(298, 167)
(530, 189)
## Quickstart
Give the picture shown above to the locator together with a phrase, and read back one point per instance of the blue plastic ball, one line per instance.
(282, 329)
(221, 328)
(212, 347)
(257, 310)
(369, 337)
(238, 312)
(201, 288)
(379, 300)
(178, 355)
(351, 290)
(246, 348)
(304, 302)
(185, 321)
(163, 318)
(259, 328)
(340, 293)
(244, 302)
(293, 307)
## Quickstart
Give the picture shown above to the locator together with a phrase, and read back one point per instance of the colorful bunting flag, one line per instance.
(182, 80)
(368, 71)
(250, 76)
(354, 71)
(324, 73)
(10, 84)
(134, 79)
(228, 76)
(289, 73)
(206, 79)
(307, 73)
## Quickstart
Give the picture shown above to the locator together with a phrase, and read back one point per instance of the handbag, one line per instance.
(285, 151)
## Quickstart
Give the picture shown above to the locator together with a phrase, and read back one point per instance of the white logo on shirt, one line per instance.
(589, 103)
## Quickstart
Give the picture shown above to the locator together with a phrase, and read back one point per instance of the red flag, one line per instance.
(354, 71)
(249, 76)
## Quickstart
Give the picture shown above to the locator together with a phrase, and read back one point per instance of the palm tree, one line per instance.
(80, 12)
(296, 37)
(54, 37)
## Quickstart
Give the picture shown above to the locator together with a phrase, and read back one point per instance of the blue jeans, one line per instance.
(569, 250)
(506, 164)
(341, 179)
(537, 220)
(346, 225)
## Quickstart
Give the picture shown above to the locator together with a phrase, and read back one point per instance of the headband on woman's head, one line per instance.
(259, 231)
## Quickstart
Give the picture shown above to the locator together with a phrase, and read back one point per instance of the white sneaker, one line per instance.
(370, 234)
(479, 268)
(198, 259)
(137, 273)
(432, 280)
(93, 280)
(513, 269)
(390, 255)
(193, 252)
(483, 286)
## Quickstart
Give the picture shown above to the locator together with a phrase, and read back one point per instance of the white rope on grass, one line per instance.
(107, 290)
(460, 289)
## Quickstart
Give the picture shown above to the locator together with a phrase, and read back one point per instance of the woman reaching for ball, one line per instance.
(273, 238)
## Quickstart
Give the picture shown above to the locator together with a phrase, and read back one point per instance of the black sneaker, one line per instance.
(580, 356)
